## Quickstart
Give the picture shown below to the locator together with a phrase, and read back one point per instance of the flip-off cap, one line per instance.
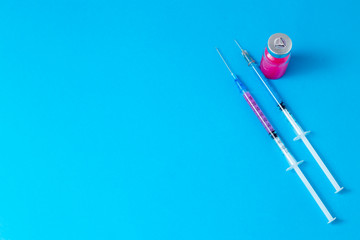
(279, 45)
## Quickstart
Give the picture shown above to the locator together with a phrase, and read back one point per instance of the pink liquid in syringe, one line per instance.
(261, 116)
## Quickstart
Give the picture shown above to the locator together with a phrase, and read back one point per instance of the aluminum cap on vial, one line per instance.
(279, 45)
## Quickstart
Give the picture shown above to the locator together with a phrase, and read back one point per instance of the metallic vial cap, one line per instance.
(279, 45)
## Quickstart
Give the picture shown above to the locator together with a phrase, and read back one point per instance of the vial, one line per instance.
(276, 56)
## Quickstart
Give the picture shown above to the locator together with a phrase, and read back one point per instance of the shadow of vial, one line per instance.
(304, 63)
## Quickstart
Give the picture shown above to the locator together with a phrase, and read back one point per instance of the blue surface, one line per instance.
(118, 120)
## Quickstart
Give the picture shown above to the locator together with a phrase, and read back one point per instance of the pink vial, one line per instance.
(276, 56)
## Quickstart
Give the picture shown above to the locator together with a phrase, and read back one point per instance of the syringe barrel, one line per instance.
(296, 126)
(259, 113)
(285, 151)
(255, 107)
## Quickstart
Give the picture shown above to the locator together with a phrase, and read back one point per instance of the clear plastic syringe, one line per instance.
(269, 128)
(297, 128)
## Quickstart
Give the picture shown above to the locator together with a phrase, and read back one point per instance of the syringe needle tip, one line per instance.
(239, 45)
(220, 55)
(222, 58)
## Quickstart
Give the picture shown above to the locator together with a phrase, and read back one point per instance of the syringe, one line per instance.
(298, 130)
(269, 128)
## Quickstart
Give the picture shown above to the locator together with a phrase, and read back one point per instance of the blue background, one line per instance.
(118, 120)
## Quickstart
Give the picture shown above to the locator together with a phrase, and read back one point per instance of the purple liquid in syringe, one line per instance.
(261, 116)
